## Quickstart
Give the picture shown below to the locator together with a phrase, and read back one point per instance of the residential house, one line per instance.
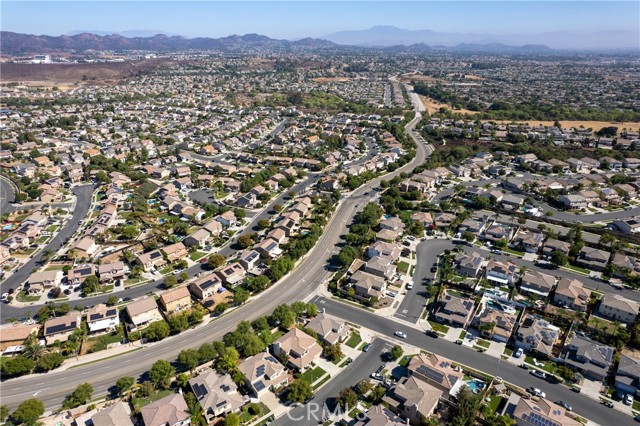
(498, 231)
(16, 334)
(175, 300)
(444, 219)
(628, 225)
(367, 285)
(590, 358)
(572, 294)
(573, 201)
(537, 412)
(151, 260)
(111, 271)
(249, 259)
(198, 238)
(512, 202)
(86, 247)
(329, 329)
(300, 348)
(496, 324)
(500, 274)
(618, 308)
(217, 394)
(214, 228)
(268, 247)
(413, 399)
(423, 217)
(40, 281)
(537, 283)
(437, 371)
(528, 241)
(227, 219)
(76, 276)
(536, 335)
(231, 274)
(175, 252)
(205, 286)
(593, 259)
(118, 414)
(378, 415)
(628, 375)
(471, 225)
(263, 372)
(454, 310)
(552, 245)
(381, 266)
(171, 410)
(60, 328)
(102, 317)
(143, 312)
(470, 265)
(381, 248)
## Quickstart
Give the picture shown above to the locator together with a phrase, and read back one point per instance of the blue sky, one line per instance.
(297, 19)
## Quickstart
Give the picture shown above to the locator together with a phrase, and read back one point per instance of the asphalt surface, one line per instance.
(361, 368)
(427, 254)
(302, 282)
(83, 194)
(582, 405)
(7, 195)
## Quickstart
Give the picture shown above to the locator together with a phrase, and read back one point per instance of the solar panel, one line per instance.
(60, 327)
(259, 386)
(94, 317)
(199, 390)
(112, 312)
(260, 371)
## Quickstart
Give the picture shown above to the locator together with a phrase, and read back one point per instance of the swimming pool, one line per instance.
(500, 307)
(475, 386)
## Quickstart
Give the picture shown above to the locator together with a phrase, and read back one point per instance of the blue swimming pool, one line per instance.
(494, 305)
(476, 386)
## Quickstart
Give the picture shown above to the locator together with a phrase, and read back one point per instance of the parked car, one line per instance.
(628, 399)
(539, 374)
(392, 294)
(575, 389)
(607, 403)
(432, 333)
(481, 350)
(410, 285)
(4, 297)
(565, 405)
(498, 379)
(434, 268)
(524, 366)
(458, 342)
(518, 353)
(366, 347)
(536, 392)
(400, 334)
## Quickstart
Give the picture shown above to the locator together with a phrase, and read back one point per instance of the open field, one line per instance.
(328, 79)
(433, 106)
(66, 75)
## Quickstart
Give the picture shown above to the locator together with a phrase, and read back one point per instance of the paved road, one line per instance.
(83, 194)
(358, 370)
(7, 195)
(427, 254)
(300, 283)
(582, 405)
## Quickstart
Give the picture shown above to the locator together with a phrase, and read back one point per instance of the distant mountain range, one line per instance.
(15, 43)
(385, 35)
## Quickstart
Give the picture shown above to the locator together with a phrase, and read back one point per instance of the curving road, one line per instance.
(83, 202)
(7, 195)
(302, 282)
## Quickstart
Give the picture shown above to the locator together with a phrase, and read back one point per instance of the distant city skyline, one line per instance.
(299, 19)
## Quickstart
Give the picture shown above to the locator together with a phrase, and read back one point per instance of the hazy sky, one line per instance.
(297, 19)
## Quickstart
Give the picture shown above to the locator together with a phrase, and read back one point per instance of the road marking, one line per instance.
(404, 311)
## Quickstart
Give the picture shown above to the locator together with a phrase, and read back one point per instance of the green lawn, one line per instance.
(354, 340)
(156, 396)
(601, 324)
(514, 252)
(258, 408)
(578, 269)
(322, 382)
(483, 343)
(52, 228)
(276, 335)
(312, 375)
(100, 343)
(354, 413)
(196, 255)
(636, 405)
(463, 334)
(403, 267)
(441, 328)
(549, 366)
(23, 296)
(404, 361)
(493, 404)
(42, 239)
(508, 352)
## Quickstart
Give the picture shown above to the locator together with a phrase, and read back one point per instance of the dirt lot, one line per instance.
(595, 125)
(328, 79)
(433, 106)
(70, 74)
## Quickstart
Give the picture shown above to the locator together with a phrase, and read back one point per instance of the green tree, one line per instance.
(207, 352)
(494, 420)
(178, 322)
(50, 361)
(257, 284)
(263, 223)
(240, 296)
(161, 373)
(245, 241)
(396, 352)
(333, 352)
(90, 285)
(227, 360)
(28, 412)
(113, 300)
(232, 419)
(299, 391)
(157, 331)
(80, 396)
(170, 281)
(4, 413)
(312, 310)
(124, 384)
(17, 366)
(189, 359)
(284, 316)
(466, 408)
(129, 232)
(216, 260)
(348, 399)
(220, 308)
(559, 258)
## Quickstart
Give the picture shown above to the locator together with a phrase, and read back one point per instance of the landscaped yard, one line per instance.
(404, 361)
(441, 328)
(601, 324)
(514, 252)
(508, 352)
(463, 334)
(99, 343)
(483, 343)
(354, 340)
(196, 255)
(156, 396)
(403, 267)
(493, 404)
(253, 410)
(549, 366)
(276, 335)
(312, 375)
(578, 269)
(23, 296)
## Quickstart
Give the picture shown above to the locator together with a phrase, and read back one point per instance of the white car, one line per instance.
(410, 285)
(518, 353)
(392, 294)
(400, 334)
(628, 399)
(4, 297)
